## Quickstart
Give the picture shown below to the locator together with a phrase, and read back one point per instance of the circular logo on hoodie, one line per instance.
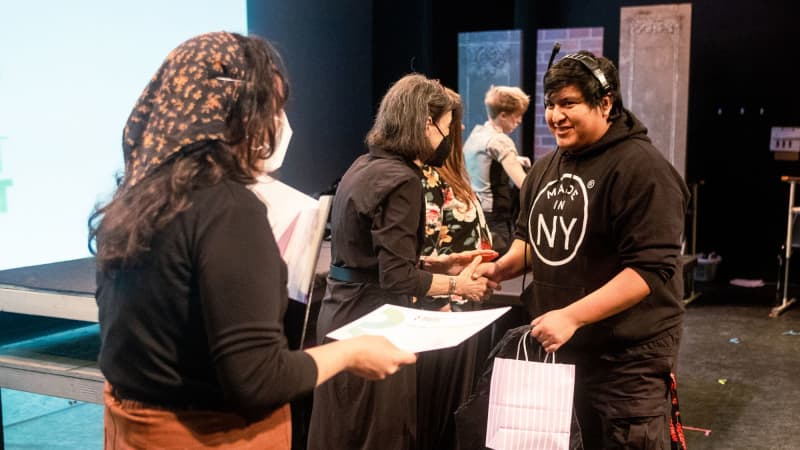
(557, 220)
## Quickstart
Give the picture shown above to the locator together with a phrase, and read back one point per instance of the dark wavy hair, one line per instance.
(399, 126)
(122, 231)
(569, 72)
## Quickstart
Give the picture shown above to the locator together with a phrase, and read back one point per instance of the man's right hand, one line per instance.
(488, 270)
(472, 287)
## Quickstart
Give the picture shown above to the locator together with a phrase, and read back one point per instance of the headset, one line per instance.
(589, 62)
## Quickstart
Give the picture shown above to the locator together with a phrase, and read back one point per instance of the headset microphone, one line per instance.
(556, 48)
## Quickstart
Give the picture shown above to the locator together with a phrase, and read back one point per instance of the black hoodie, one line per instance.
(590, 213)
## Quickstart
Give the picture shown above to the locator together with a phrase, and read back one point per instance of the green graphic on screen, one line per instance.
(4, 183)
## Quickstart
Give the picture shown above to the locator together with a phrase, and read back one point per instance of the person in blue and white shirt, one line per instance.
(493, 163)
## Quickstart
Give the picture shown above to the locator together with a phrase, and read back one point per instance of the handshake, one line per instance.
(465, 277)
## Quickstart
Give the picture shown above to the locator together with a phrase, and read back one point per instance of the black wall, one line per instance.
(343, 56)
(739, 88)
(327, 47)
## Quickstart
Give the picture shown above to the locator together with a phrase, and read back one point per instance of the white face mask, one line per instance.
(275, 161)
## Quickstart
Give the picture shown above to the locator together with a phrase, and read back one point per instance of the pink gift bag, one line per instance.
(530, 403)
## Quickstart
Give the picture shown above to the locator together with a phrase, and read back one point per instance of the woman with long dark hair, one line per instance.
(454, 223)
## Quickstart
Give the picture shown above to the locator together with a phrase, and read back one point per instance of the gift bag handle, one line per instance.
(525, 348)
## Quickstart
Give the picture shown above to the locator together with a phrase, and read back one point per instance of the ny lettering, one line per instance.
(550, 233)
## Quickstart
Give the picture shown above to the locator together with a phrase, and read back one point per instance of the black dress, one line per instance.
(377, 228)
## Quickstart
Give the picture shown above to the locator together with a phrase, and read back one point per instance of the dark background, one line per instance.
(343, 55)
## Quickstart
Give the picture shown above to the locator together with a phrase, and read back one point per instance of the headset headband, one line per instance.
(592, 65)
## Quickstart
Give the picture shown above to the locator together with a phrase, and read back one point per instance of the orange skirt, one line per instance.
(132, 425)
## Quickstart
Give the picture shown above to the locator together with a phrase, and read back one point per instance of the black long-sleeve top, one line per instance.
(199, 321)
(377, 223)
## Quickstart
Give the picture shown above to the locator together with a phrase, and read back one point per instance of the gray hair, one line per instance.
(399, 127)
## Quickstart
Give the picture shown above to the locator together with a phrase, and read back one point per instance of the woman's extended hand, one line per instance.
(375, 358)
(454, 263)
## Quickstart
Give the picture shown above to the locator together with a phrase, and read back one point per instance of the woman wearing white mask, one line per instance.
(191, 286)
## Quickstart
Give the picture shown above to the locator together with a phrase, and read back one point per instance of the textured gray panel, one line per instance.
(486, 58)
(654, 73)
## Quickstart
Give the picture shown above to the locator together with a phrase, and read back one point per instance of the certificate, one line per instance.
(417, 330)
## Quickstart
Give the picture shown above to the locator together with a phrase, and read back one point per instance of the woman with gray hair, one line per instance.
(378, 226)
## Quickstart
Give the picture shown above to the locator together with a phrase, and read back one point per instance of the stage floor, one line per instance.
(746, 393)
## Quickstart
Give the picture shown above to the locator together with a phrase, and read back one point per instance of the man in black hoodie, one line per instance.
(600, 227)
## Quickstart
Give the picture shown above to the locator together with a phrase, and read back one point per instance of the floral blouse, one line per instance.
(451, 226)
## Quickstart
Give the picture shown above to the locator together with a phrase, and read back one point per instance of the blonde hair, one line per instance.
(507, 99)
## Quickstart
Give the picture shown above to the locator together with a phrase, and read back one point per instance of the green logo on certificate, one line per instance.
(388, 318)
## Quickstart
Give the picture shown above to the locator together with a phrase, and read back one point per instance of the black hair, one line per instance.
(579, 70)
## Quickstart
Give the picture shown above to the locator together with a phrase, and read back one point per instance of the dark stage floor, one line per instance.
(739, 370)
(738, 376)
